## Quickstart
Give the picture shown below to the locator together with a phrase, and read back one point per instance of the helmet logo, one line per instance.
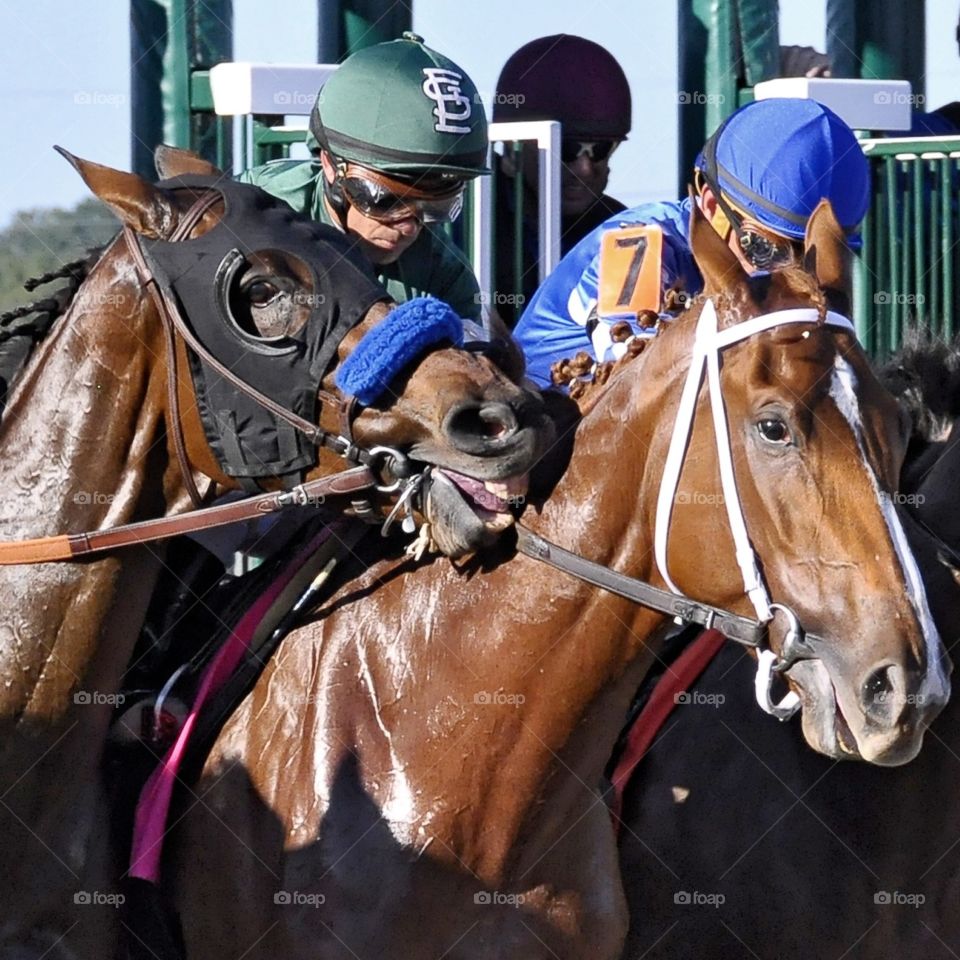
(452, 107)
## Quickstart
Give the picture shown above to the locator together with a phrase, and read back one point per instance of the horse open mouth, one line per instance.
(846, 741)
(491, 500)
(467, 514)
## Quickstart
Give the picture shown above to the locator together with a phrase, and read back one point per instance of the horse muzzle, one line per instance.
(879, 716)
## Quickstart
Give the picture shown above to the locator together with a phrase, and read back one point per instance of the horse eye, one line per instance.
(261, 292)
(773, 430)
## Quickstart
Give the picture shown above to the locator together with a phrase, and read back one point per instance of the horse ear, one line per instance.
(176, 162)
(139, 204)
(826, 255)
(717, 262)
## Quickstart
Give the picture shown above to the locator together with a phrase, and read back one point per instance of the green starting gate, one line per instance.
(908, 270)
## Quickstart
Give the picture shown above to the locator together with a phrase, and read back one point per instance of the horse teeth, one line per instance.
(505, 489)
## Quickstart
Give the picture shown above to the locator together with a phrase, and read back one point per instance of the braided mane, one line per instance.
(22, 328)
(47, 309)
(585, 377)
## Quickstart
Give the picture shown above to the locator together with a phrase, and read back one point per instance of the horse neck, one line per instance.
(603, 504)
(83, 448)
(604, 508)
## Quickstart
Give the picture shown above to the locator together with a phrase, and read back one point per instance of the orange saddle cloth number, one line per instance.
(630, 271)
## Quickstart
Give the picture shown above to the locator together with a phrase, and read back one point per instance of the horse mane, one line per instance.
(586, 378)
(49, 308)
(924, 374)
(36, 319)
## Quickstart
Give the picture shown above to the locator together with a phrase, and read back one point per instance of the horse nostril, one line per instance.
(882, 693)
(877, 685)
(475, 426)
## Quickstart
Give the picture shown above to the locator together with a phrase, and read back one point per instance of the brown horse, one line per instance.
(88, 441)
(417, 775)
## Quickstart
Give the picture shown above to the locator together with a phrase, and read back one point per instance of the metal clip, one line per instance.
(404, 504)
(382, 457)
(794, 646)
(763, 687)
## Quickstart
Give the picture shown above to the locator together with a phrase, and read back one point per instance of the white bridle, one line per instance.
(708, 343)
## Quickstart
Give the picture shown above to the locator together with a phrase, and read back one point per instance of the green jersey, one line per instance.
(433, 265)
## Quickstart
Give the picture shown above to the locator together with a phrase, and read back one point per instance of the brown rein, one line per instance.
(72, 545)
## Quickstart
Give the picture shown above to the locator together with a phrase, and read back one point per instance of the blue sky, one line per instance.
(66, 73)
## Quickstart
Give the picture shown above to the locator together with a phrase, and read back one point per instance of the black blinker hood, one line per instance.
(200, 274)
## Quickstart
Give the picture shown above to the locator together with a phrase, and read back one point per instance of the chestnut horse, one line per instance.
(417, 775)
(88, 442)
(794, 856)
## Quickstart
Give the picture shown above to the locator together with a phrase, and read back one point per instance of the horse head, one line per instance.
(282, 318)
(817, 445)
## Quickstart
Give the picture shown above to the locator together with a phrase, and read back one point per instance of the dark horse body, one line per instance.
(811, 858)
(415, 775)
(87, 442)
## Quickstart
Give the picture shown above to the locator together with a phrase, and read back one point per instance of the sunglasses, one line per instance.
(388, 201)
(594, 150)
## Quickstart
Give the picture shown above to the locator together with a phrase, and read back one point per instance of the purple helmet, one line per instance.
(565, 78)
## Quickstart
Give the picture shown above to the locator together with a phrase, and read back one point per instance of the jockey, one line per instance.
(395, 134)
(757, 180)
(594, 110)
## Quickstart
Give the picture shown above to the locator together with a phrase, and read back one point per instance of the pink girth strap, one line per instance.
(679, 678)
(153, 807)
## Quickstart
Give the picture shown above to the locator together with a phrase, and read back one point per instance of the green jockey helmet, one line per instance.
(405, 109)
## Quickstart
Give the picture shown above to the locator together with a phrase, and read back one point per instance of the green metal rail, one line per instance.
(908, 269)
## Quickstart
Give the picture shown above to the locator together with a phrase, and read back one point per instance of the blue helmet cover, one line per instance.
(777, 159)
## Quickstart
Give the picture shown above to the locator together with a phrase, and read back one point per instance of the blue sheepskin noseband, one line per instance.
(400, 337)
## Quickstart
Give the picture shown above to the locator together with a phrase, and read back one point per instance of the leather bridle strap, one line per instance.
(171, 314)
(750, 633)
(742, 630)
(182, 230)
(71, 546)
(799, 644)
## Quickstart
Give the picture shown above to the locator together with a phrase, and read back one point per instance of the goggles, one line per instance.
(389, 201)
(595, 150)
(763, 250)
(765, 253)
